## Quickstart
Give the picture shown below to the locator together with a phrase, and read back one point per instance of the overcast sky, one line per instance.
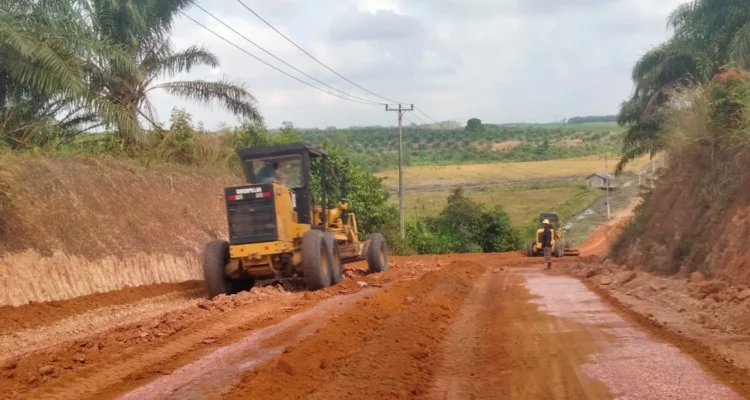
(498, 60)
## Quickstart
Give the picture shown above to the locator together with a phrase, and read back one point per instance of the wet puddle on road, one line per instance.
(631, 363)
(217, 372)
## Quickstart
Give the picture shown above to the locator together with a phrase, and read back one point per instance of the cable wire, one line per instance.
(419, 119)
(313, 57)
(282, 61)
(428, 117)
(270, 65)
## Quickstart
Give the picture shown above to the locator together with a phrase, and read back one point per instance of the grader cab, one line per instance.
(280, 228)
(560, 247)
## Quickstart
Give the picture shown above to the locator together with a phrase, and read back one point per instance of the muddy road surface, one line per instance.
(453, 327)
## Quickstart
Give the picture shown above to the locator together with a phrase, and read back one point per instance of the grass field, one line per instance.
(584, 127)
(523, 203)
(474, 174)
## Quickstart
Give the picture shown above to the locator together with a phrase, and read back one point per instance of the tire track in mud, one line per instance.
(218, 371)
(133, 354)
(96, 382)
(462, 346)
(94, 321)
(136, 353)
(386, 347)
(502, 346)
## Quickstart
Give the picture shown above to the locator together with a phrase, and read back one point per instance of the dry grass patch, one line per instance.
(472, 174)
(523, 203)
(505, 146)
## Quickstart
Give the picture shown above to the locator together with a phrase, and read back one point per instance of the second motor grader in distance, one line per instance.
(278, 231)
(560, 247)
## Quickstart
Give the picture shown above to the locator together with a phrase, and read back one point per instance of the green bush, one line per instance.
(463, 227)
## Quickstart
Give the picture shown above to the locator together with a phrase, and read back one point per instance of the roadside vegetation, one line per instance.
(709, 37)
(523, 202)
(692, 101)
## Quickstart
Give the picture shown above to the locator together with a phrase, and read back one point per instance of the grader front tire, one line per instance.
(377, 254)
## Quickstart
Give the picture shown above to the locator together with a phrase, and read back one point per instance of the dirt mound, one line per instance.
(74, 227)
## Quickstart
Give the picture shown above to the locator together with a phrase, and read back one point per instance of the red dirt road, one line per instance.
(453, 327)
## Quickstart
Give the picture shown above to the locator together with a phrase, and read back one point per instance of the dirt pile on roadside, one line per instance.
(713, 304)
(73, 227)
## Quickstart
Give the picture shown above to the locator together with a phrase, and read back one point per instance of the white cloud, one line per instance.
(373, 6)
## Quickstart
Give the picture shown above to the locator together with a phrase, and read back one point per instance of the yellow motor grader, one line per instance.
(276, 231)
(560, 247)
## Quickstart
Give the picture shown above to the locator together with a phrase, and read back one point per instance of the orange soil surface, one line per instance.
(481, 326)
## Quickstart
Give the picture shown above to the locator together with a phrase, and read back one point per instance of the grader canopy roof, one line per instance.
(283, 150)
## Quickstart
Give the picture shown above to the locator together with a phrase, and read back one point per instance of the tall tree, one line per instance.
(474, 125)
(44, 45)
(142, 28)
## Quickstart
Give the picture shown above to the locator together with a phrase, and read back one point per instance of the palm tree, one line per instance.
(43, 45)
(142, 27)
(709, 35)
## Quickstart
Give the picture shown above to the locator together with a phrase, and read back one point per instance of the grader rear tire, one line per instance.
(530, 249)
(316, 260)
(337, 266)
(559, 250)
(215, 257)
(377, 254)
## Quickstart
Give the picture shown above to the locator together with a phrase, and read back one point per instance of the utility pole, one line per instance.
(606, 173)
(401, 110)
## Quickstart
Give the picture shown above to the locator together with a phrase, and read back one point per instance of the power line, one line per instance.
(270, 65)
(313, 57)
(428, 117)
(419, 119)
(282, 61)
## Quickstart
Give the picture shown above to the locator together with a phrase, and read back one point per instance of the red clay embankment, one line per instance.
(73, 227)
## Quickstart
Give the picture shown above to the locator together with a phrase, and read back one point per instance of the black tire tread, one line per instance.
(337, 267)
(215, 257)
(374, 263)
(530, 249)
(316, 277)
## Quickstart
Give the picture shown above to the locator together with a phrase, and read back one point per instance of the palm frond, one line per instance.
(681, 15)
(739, 48)
(184, 60)
(234, 98)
